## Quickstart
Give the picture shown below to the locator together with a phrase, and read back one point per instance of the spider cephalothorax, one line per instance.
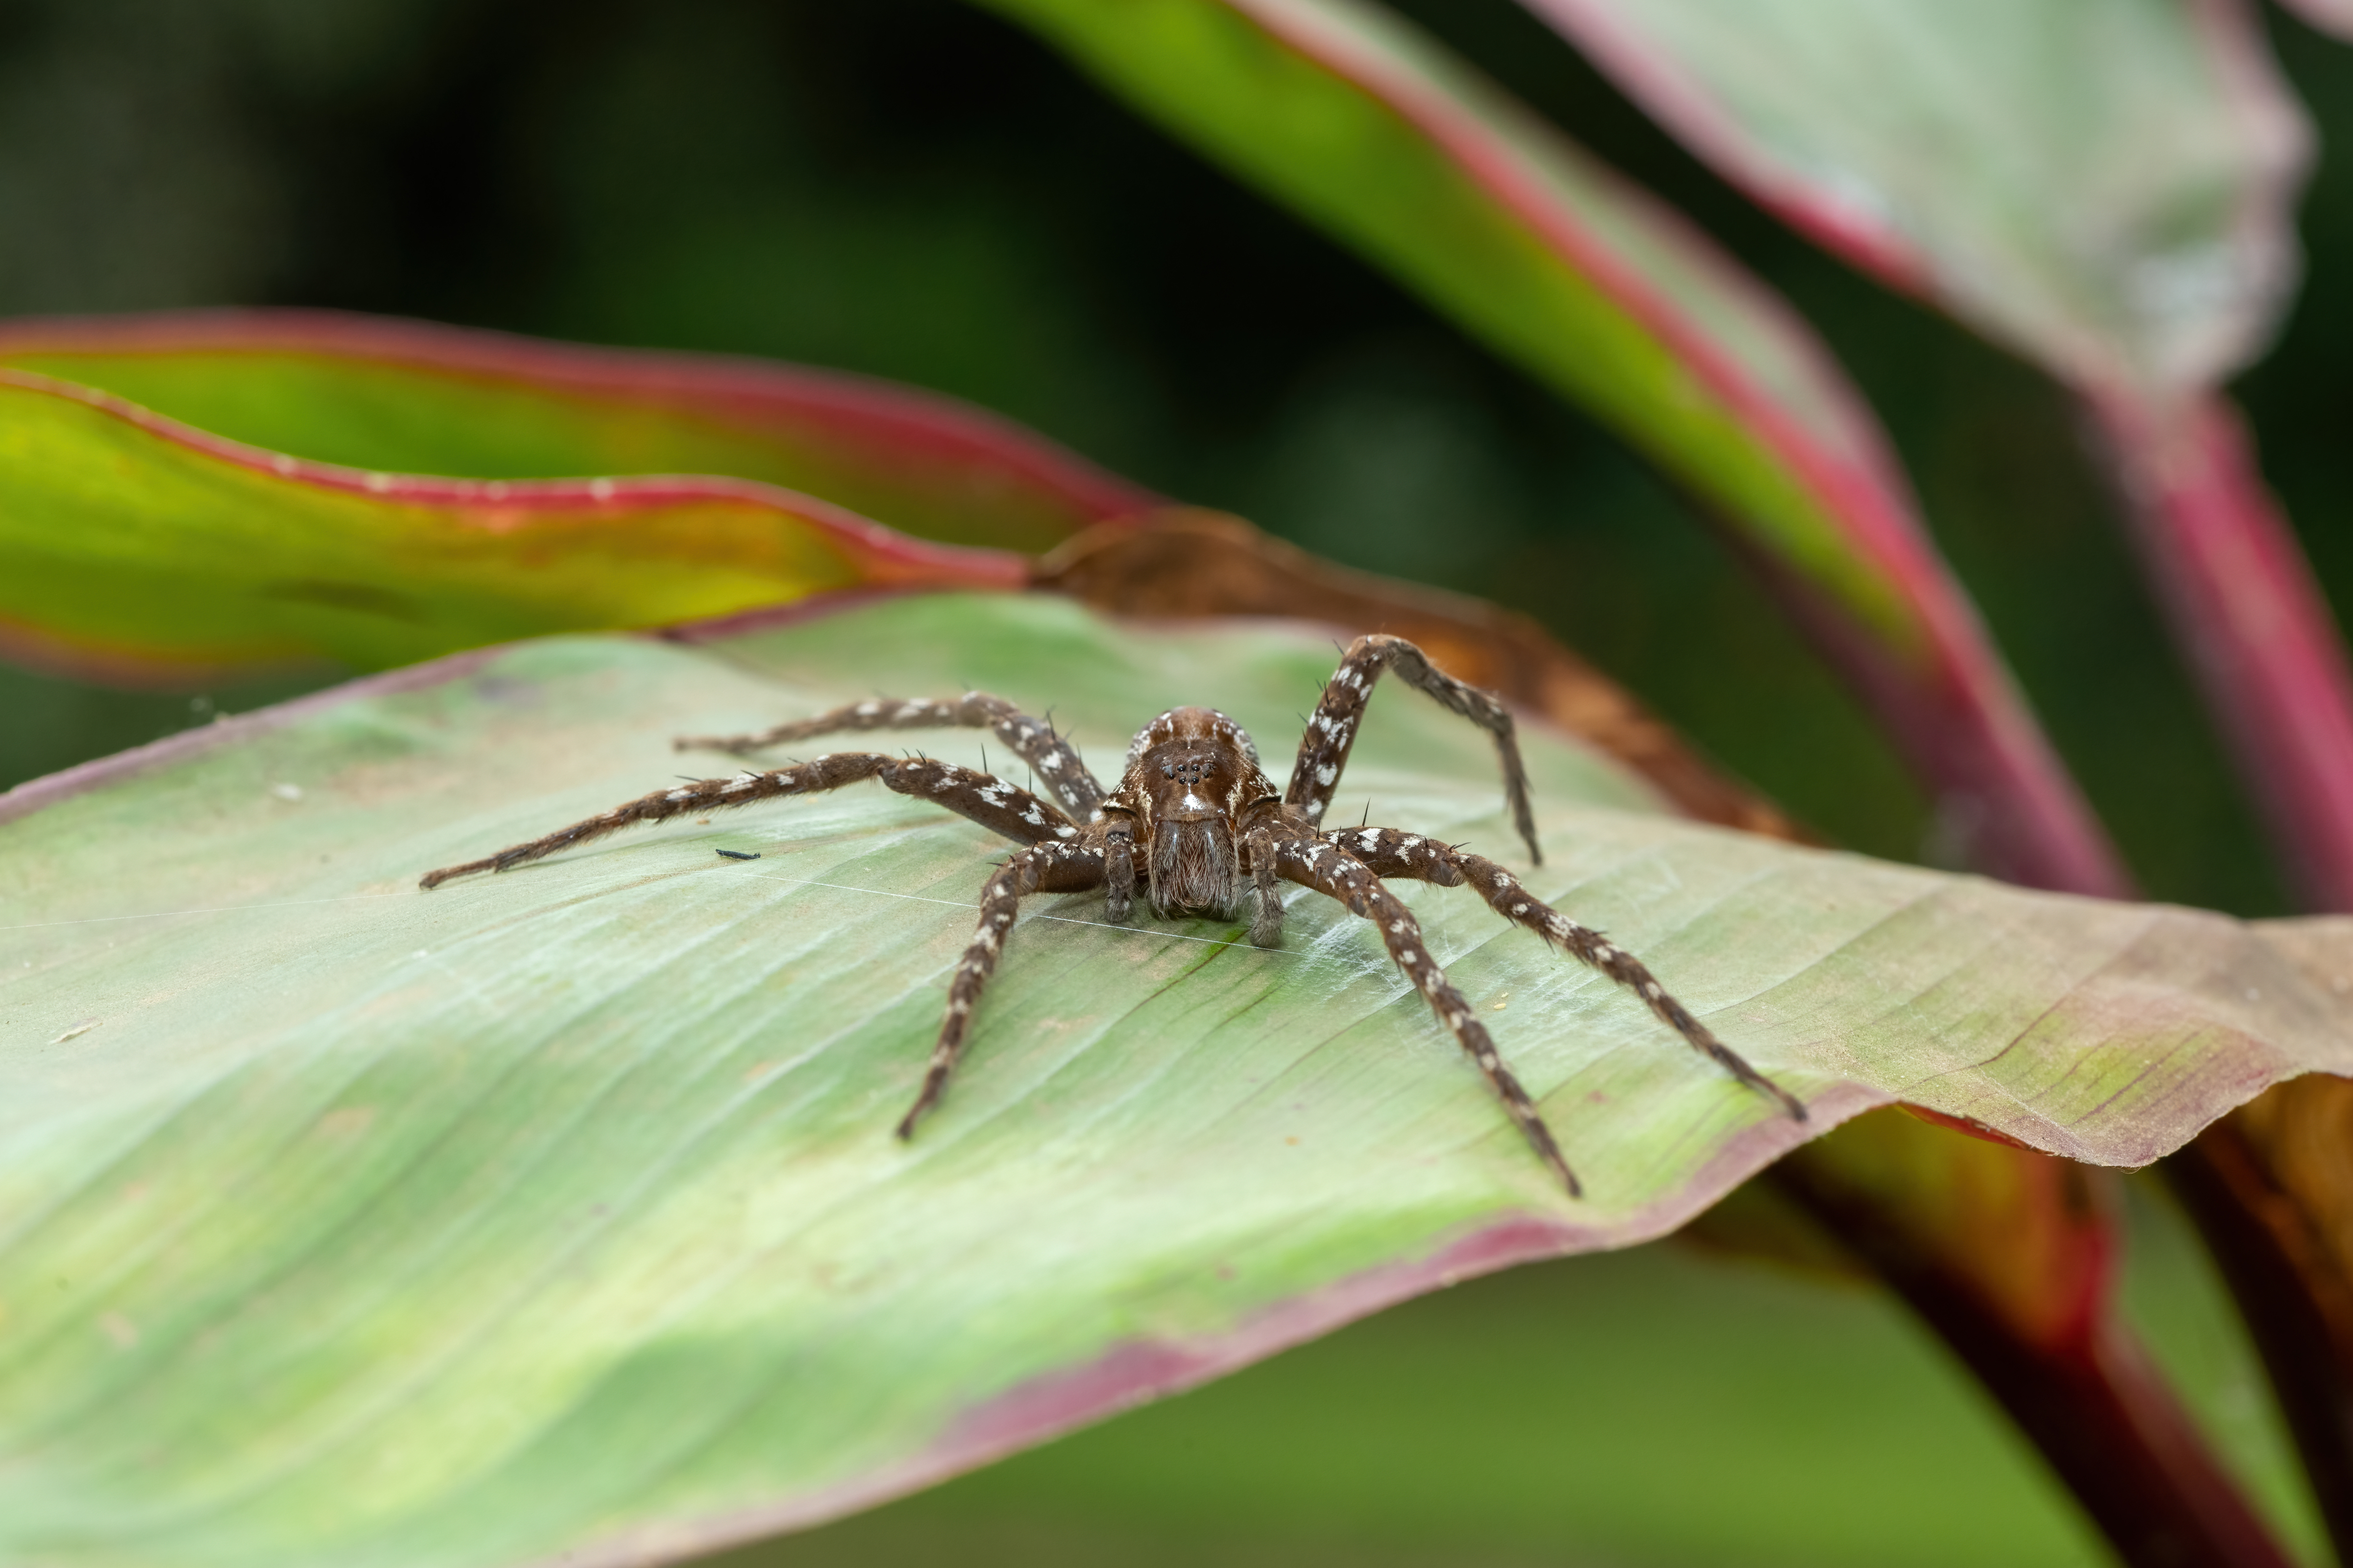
(1197, 820)
(1192, 790)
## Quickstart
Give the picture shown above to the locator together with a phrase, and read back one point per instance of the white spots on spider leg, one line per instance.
(1325, 775)
(1067, 832)
(867, 710)
(913, 711)
(1409, 843)
(679, 795)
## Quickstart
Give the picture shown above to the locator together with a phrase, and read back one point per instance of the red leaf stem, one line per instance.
(2245, 606)
(2009, 1256)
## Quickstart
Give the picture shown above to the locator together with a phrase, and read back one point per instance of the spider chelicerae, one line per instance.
(1197, 827)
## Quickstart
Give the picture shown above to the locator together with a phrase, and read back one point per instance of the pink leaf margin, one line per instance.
(883, 557)
(879, 419)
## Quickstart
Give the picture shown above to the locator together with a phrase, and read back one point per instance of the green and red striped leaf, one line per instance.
(558, 1212)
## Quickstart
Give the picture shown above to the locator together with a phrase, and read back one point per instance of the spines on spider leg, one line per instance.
(1316, 862)
(1516, 903)
(698, 795)
(997, 805)
(1047, 868)
(1486, 711)
(1331, 729)
(991, 802)
(1034, 740)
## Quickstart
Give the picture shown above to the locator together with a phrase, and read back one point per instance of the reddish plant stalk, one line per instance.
(2074, 1380)
(2297, 1310)
(2248, 613)
(1955, 717)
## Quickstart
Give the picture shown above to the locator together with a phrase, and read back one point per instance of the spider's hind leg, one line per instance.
(1047, 868)
(1394, 854)
(1034, 740)
(1331, 731)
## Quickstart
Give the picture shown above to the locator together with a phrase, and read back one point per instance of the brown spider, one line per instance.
(1200, 827)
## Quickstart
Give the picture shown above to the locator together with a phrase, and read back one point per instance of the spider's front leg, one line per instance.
(1313, 861)
(995, 804)
(1034, 740)
(1324, 750)
(1391, 853)
(1047, 868)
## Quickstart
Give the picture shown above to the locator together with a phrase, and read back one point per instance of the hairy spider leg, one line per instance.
(1118, 831)
(1331, 731)
(1054, 759)
(995, 804)
(1315, 860)
(1054, 867)
(1266, 919)
(1391, 853)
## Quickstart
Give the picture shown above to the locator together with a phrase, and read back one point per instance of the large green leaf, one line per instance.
(1370, 129)
(558, 1211)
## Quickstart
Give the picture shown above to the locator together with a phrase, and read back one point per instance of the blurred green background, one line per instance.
(912, 188)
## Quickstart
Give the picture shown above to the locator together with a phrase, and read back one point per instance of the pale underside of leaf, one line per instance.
(2328, 16)
(2104, 184)
(558, 1211)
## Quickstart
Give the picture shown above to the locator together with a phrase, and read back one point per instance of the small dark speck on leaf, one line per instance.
(739, 855)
